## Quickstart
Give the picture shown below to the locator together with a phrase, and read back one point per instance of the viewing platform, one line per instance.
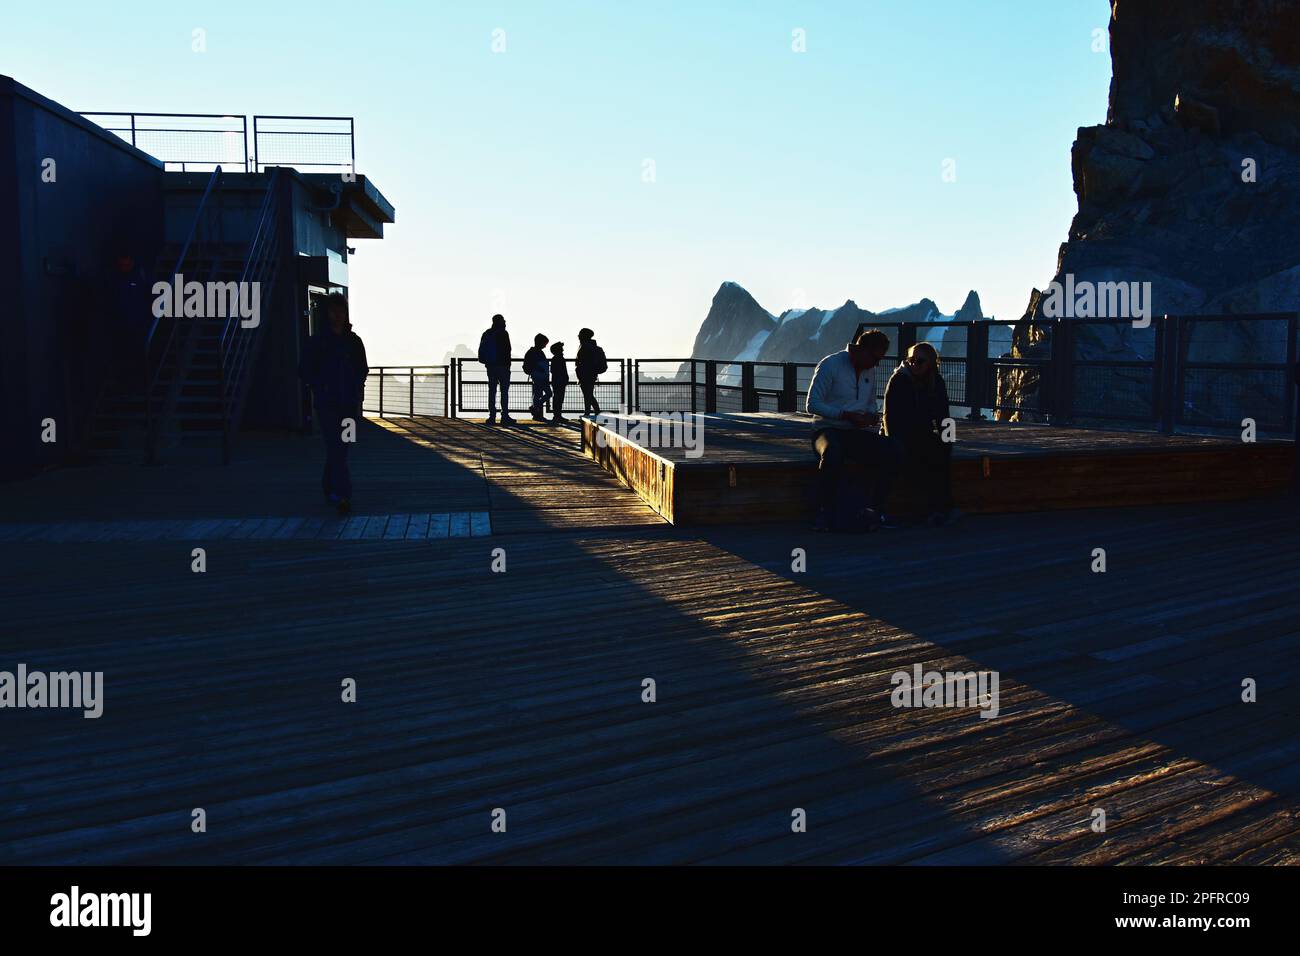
(760, 467)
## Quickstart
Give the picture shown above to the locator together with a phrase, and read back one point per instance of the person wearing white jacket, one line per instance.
(846, 428)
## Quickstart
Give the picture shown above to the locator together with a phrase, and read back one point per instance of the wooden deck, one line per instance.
(761, 467)
(523, 691)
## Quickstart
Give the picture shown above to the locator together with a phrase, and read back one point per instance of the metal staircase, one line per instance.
(197, 370)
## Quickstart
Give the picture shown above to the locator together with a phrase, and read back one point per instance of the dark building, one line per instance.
(89, 223)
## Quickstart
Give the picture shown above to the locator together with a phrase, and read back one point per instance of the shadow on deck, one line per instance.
(523, 690)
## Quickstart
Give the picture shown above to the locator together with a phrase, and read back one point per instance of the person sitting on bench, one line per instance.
(916, 407)
(842, 399)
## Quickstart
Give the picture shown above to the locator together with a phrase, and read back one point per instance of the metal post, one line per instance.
(710, 387)
(1295, 474)
(1291, 356)
(694, 409)
(1170, 372)
(1063, 372)
(748, 397)
(978, 382)
(906, 339)
(381, 391)
(789, 387)
(411, 383)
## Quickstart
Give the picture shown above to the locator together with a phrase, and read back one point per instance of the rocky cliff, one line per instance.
(1193, 183)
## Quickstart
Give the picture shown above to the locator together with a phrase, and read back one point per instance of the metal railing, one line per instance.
(307, 143)
(187, 142)
(237, 344)
(407, 391)
(198, 142)
(163, 347)
(707, 385)
(1188, 373)
(1199, 372)
(470, 387)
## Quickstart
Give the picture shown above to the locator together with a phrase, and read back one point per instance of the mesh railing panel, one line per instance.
(307, 143)
(1223, 398)
(1115, 393)
(472, 386)
(184, 143)
(404, 392)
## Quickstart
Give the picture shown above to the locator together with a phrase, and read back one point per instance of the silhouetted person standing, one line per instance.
(559, 380)
(589, 364)
(494, 353)
(334, 367)
(538, 369)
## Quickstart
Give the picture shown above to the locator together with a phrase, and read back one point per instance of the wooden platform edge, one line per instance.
(651, 476)
(705, 493)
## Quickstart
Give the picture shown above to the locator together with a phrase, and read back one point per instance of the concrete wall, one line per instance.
(64, 321)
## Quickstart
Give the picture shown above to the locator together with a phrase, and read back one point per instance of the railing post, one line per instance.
(748, 397)
(978, 382)
(694, 402)
(710, 387)
(789, 387)
(906, 339)
(1062, 366)
(1294, 361)
(381, 391)
(1170, 372)
(1295, 474)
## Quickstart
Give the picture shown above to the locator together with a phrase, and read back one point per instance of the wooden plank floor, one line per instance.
(527, 478)
(522, 690)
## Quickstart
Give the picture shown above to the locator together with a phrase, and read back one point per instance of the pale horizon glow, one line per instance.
(807, 178)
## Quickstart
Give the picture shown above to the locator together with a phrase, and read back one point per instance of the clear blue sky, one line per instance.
(808, 177)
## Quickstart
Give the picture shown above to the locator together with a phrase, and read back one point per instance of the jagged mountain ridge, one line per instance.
(738, 329)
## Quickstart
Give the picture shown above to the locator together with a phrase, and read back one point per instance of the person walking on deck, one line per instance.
(589, 364)
(846, 428)
(494, 353)
(538, 370)
(916, 409)
(333, 366)
(559, 380)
